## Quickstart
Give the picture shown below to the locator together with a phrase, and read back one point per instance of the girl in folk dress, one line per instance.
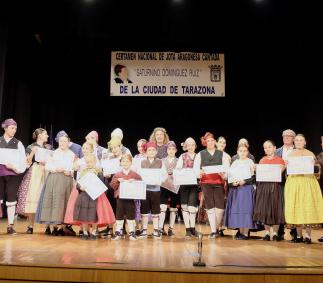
(221, 144)
(32, 184)
(303, 197)
(57, 189)
(114, 152)
(79, 166)
(269, 208)
(88, 212)
(239, 209)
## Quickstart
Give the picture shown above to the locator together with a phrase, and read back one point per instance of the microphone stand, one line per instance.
(199, 262)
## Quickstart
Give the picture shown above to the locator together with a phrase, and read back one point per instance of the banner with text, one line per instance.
(167, 74)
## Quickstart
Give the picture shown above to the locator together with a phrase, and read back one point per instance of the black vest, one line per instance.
(12, 144)
(210, 160)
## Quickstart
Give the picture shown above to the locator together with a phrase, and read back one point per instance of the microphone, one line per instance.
(199, 250)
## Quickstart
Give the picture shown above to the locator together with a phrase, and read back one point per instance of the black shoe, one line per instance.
(30, 230)
(61, 232)
(85, 237)
(48, 231)
(307, 241)
(293, 232)
(138, 232)
(297, 240)
(320, 240)
(108, 232)
(157, 234)
(163, 232)
(80, 233)
(11, 231)
(241, 237)
(133, 236)
(93, 237)
(193, 232)
(143, 234)
(267, 238)
(221, 233)
(170, 232)
(117, 236)
(277, 238)
(55, 231)
(188, 233)
(68, 231)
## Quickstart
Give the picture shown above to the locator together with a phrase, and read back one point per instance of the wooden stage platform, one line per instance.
(40, 258)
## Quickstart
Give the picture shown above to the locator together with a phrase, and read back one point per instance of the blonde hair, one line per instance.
(243, 145)
(115, 141)
(300, 135)
(244, 142)
(89, 144)
(90, 157)
(126, 156)
(153, 135)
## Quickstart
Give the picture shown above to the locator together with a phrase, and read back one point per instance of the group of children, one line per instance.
(49, 193)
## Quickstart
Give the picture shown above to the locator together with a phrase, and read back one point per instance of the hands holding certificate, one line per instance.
(300, 165)
(132, 189)
(11, 159)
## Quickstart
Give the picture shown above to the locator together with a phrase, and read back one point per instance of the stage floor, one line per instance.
(222, 256)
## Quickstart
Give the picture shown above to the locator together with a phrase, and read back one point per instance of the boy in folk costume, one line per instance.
(152, 202)
(9, 173)
(188, 193)
(125, 207)
(167, 188)
(138, 157)
(212, 184)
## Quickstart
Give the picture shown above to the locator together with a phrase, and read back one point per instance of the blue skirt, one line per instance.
(239, 209)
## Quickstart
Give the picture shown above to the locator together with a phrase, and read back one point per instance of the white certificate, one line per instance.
(300, 165)
(132, 190)
(215, 169)
(93, 185)
(42, 154)
(65, 163)
(9, 156)
(239, 173)
(151, 176)
(268, 173)
(185, 176)
(111, 166)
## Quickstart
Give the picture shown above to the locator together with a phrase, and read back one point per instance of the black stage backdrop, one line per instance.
(55, 68)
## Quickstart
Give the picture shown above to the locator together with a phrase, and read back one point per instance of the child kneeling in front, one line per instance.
(125, 207)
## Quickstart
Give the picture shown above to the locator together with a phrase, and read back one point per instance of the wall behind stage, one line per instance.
(58, 74)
